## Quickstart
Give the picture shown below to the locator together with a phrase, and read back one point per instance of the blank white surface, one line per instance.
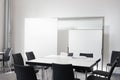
(41, 36)
(85, 41)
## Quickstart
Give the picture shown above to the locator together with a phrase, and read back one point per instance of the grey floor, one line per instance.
(8, 76)
(12, 76)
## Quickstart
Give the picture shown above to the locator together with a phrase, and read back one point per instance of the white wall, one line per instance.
(1, 24)
(110, 9)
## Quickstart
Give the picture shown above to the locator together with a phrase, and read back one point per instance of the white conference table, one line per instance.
(81, 62)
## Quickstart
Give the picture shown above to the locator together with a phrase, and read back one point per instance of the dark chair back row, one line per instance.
(89, 55)
(18, 59)
(60, 72)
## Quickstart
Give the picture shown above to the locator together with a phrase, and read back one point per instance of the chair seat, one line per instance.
(82, 70)
(92, 77)
(102, 73)
(109, 64)
(1, 59)
(36, 71)
(76, 79)
(40, 67)
(37, 68)
(46, 67)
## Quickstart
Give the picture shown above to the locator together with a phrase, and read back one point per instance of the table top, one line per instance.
(75, 61)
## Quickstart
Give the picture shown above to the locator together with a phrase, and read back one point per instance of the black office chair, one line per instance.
(25, 72)
(102, 75)
(114, 55)
(88, 55)
(82, 70)
(6, 57)
(30, 56)
(63, 72)
(17, 58)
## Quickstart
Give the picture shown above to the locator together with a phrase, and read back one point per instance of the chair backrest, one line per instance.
(7, 54)
(113, 67)
(114, 55)
(17, 58)
(62, 72)
(30, 55)
(25, 72)
(90, 55)
(70, 54)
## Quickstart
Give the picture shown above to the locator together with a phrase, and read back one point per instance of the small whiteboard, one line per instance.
(85, 41)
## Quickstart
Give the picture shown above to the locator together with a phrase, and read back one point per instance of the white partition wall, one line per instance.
(41, 36)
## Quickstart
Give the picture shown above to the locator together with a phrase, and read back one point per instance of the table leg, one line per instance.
(42, 73)
(85, 74)
(3, 64)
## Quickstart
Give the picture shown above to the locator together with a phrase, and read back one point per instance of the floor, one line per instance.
(11, 76)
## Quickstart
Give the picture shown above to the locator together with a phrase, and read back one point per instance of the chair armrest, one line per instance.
(101, 73)
(1, 54)
(96, 63)
(109, 64)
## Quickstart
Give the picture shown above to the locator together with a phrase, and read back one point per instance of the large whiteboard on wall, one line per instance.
(85, 41)
(41, 36)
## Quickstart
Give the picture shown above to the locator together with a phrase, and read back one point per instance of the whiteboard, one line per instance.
(85, 41)
(41, 36)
